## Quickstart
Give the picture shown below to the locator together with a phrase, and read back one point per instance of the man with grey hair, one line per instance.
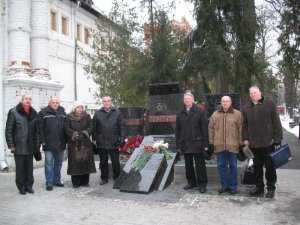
(22, 139)
(262, 132)
(108, 132)
(53, 138)
(192, 140)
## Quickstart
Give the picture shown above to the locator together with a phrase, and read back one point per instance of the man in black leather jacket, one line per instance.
(22, 139)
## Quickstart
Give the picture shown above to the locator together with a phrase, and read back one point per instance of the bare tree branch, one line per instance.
(276, 4)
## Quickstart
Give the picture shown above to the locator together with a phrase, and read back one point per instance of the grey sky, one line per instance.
(183, 8)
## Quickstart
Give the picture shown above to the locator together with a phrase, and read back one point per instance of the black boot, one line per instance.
(257, 192)
(102, 182)
(202, 189)
(223, 190)
(59, 184)
(233, 192)
(270, 194)
(188, 187)
(22, 191)
(49, 187)
(29, 190)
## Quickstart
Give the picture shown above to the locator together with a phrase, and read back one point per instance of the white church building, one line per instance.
(39, 41)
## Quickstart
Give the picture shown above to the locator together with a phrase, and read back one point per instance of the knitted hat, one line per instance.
(76, 104)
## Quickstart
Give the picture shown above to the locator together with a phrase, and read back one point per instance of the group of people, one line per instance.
(257, 127)
(52, 130)
(227, 131)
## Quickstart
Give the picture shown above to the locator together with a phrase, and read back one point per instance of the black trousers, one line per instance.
(114, 157)
(195, 161)
(80, 180)
(262, 158)
(24, 171)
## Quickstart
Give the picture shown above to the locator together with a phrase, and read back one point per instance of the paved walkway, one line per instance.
(102, 205)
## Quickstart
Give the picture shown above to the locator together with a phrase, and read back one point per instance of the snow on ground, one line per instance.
(285, 119)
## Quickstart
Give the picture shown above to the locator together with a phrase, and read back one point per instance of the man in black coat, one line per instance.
(192, 141)
(22, 139)
(108, 134)
(262, 132)
(53, 138)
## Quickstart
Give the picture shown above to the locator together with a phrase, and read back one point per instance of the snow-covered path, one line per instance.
(285, 124)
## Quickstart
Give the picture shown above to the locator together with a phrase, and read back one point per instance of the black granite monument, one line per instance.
(145, 172)
(165, 101)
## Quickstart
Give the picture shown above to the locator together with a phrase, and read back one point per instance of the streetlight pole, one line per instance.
(75, 71)
(3, 164)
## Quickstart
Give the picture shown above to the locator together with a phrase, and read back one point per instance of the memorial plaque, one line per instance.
(145, 171)
(168, 176)
(165, 101)
(144, 180)
(126, 169)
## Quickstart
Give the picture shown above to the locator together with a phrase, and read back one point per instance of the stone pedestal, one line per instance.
(26, 70)
(40, 90)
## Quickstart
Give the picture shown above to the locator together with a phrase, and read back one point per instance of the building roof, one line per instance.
(88, 5)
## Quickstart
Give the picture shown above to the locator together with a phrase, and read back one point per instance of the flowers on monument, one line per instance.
(158, 147)
(163, 148)
(160, 144)
(131, 143)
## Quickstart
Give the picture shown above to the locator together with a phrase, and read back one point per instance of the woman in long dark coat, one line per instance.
(78, 128)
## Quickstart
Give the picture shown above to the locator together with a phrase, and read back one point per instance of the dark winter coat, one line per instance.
(261, 124)
(22, 131)
(51, 124)
(108, 128)
(80, 148)
(191, 130)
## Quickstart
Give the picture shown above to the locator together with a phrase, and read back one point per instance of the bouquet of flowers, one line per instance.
(158, 147)
(163, 148)
(131, 143)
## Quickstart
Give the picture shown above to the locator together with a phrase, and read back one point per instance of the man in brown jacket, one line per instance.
(225, 129)
(262, 132)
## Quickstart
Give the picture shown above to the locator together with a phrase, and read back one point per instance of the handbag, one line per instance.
(95, 149)
(37, 156)
(247, 173)
(241, 156)
(281, 156)
(80, 152)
